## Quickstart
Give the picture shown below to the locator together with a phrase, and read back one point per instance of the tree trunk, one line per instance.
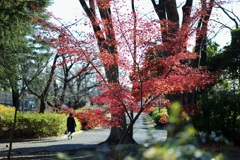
(106, 42)
(12, 135)
(167, 12)
(15, 97)
(201, 41)
(117, 134)
(42, 105)
(46, 89)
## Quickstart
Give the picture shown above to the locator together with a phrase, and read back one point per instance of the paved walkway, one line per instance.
(143, 133)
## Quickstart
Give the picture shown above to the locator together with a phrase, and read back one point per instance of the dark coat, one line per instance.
(71, 124)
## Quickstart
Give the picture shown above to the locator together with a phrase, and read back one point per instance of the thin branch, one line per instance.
(229, 16)
(222, 24)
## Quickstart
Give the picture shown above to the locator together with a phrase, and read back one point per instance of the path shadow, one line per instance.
(45, 152)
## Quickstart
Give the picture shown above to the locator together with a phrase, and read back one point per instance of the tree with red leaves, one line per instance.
(139, 59)
(142, 61)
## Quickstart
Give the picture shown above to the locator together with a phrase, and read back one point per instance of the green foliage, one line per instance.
(228, 59)
(16, 21)
(33, 125)
(218, 107)
(19, 22)
(157, 115)
(232, 53)
(61, 156)
(221, 104)
(4, 109)
(212, 48)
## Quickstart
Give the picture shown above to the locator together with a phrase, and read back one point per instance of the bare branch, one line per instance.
(229, 16)
(222, 24)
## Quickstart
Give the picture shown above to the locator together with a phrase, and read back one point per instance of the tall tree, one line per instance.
(167, 12)
(74, 81)
(143, 58)
(106, 41)
(16, 23)
(169, 46)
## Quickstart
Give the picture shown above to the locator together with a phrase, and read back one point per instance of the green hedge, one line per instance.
(33, 125)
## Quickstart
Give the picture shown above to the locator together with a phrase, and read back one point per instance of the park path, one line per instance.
(144, 132)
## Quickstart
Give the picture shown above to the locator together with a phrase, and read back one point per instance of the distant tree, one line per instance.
(45, 79)
(17, 26)
(73, 81)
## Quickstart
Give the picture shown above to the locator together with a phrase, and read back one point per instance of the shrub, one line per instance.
(220, 114)
(32, 125)
(158, 114)
(4, 109)
(91, 117)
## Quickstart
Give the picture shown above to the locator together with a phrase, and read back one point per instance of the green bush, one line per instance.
(33, 125)
(220, 114)
(157, 115)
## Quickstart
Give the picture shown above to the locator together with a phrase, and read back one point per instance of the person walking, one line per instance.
(71, 124)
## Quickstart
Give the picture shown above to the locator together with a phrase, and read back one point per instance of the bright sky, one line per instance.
(67, 10)
(70, 10)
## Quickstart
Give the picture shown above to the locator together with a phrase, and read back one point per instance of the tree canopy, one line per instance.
(142, 58)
